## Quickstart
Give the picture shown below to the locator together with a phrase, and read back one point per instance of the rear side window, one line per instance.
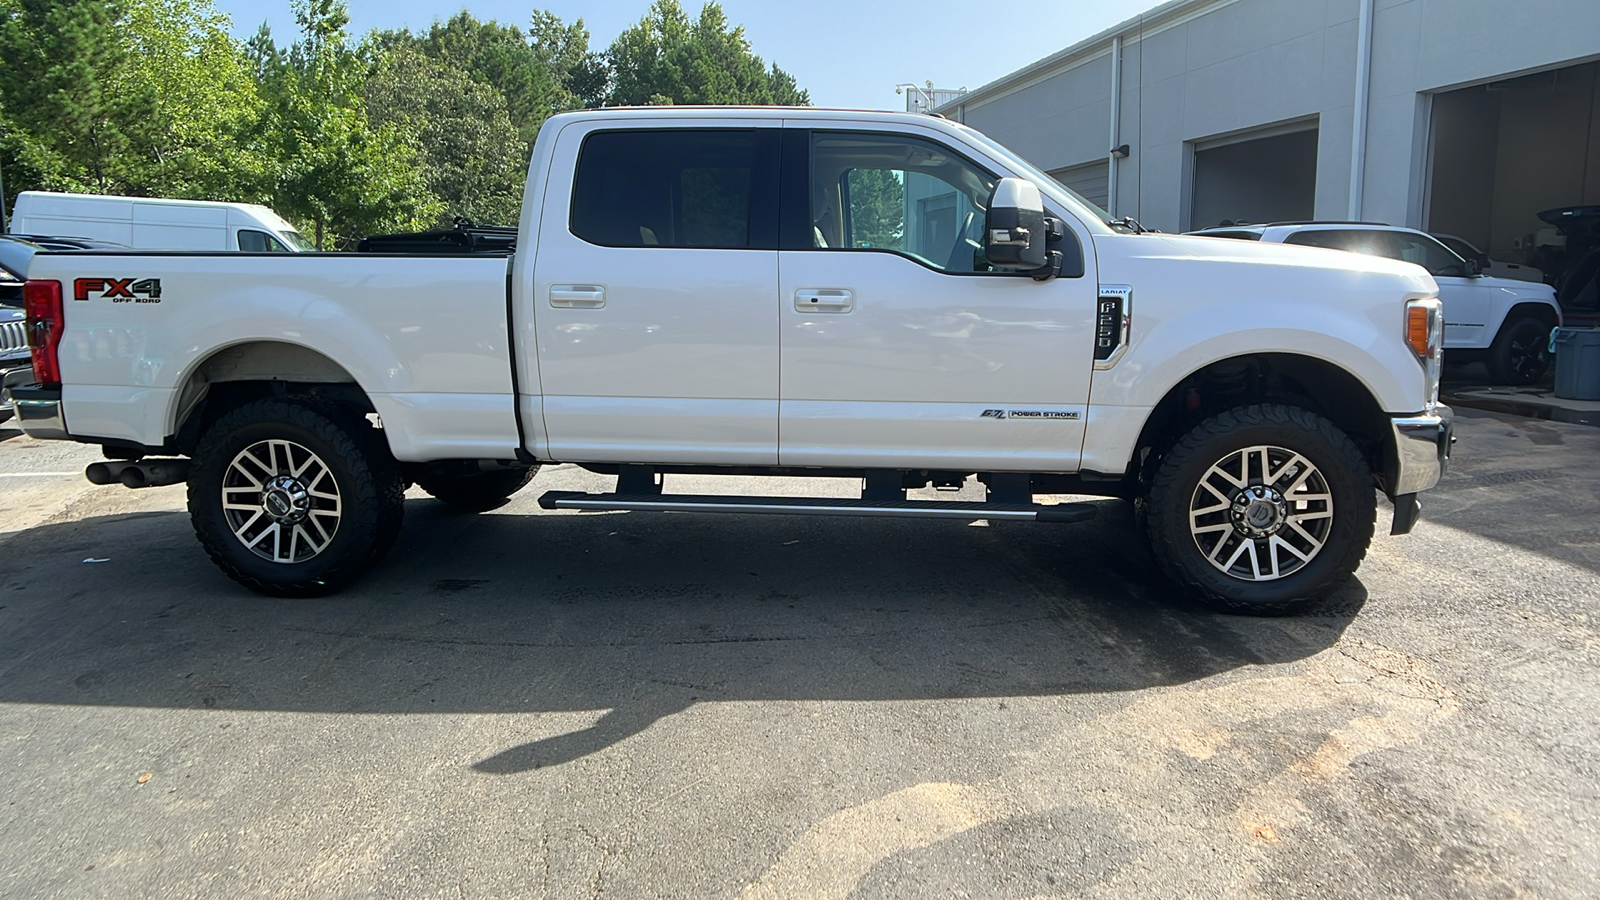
(260, 242)
(686, 188)
(1372, 243)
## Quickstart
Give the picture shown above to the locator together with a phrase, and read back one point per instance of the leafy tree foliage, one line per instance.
(63, 88)
(668, 59)
(156, 98)
(878, 208)
(472, 156)
(335, 169)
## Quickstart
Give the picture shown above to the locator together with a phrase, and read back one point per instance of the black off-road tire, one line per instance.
(370, 487)
(479, 491)
(1520, 354)
(1167, 504)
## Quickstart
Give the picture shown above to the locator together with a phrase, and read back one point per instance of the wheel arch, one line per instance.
(1296, 379)
(249, 370)
(1536, 309)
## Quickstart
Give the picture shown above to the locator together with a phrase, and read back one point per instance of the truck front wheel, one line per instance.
(1261, 510)
(294, 499)
(478, 491)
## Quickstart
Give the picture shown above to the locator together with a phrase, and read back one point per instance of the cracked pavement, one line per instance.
(539, 704)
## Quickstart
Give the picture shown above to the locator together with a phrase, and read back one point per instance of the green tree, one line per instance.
(335, 169)
(473, 160)
(500, 56)
(877, 208)
(668, 59)
(65, 91)
(564, 50)
(141, 97)
(206, 101)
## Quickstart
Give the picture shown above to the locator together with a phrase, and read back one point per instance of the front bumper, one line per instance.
(37, 408)
(1420, 456)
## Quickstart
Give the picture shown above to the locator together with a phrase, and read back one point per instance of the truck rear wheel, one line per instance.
(1520, 353)
(478, 491)
(293, 499)
(1261, 510)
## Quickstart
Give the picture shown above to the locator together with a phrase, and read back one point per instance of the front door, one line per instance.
(900, 347)
(655, 295)
(1468, 302)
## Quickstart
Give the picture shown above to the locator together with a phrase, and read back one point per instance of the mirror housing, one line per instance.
(1474, 267)
(1014, 235)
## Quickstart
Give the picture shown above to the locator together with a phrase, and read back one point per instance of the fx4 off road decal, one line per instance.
(120, 290)
(1028, 414)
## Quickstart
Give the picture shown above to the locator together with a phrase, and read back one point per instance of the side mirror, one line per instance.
(1474, 267)
(1014, 234)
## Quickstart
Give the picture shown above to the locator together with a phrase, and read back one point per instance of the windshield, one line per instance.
(1048, 185)
(298, 240)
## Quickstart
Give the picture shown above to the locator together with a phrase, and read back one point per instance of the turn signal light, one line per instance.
(41, 300)
(1424, 328)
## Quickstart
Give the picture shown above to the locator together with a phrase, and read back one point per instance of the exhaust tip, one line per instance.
(133, 477)
(99, 473)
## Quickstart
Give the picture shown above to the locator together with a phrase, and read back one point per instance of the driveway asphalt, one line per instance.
(549, 704)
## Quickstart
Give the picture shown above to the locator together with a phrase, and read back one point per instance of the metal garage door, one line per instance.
(1090, 180)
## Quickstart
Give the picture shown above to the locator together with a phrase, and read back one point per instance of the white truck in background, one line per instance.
(883, 296)
(1505, 322)
(153, 223)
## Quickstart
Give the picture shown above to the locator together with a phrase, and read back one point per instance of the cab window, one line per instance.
(1427, 253)
(260, 242)
(1372, 243)
(899, 194)
(686, 188)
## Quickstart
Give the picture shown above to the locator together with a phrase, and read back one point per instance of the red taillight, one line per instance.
(41, 300)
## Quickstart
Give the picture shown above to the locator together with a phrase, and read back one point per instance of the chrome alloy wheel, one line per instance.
(281, 501)
(1261, 513)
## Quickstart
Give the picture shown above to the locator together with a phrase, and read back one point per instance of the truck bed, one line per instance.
(425, 337)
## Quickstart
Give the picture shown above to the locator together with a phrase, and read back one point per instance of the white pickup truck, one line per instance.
(888, 297)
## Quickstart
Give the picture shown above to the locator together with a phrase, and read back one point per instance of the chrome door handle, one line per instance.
(578, 296)
(832, 300)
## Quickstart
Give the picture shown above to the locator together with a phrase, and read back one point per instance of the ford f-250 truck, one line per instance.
(890, 297)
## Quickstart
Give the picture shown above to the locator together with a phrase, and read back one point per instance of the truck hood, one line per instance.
(1290, 255)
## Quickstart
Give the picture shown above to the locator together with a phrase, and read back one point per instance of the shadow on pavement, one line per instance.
(1525, 482)
(636, 615)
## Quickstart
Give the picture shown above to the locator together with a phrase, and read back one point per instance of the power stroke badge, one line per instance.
(1064, 415)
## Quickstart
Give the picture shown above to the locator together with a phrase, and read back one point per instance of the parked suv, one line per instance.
(1504, 322)
(14, 352)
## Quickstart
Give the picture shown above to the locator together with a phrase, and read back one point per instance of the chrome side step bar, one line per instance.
(818, 506)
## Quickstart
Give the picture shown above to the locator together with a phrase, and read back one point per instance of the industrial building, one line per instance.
(1465, 117)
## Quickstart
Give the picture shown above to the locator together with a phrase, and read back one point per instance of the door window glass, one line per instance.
(706, 188)
(1427, 253)
(901, 194)
(260, 242)
(1372, 243)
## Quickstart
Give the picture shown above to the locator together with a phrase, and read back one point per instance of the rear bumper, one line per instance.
(37, 408)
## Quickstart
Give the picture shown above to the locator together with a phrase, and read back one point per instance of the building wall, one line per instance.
(1192, 73)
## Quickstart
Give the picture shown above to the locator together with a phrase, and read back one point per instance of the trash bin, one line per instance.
(1577, 363)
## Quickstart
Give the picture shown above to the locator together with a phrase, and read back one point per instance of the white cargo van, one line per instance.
(148, 223)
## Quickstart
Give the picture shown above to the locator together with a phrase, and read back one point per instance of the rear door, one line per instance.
(655, 293)
(901, 347)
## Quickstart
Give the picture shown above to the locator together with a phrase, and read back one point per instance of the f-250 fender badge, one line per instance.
(1056, 414)
(120, 290)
